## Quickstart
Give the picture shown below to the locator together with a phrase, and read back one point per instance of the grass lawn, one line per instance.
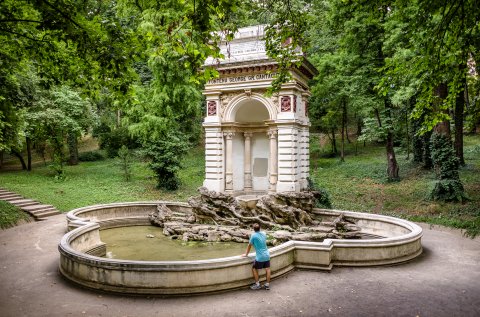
(11, 215)
(99, 182)
(358, 184)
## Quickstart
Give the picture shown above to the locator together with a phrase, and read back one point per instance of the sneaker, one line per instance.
(266, 286)
(255, 286)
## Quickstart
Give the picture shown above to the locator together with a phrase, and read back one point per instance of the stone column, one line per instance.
(229, 163)
(247, 161)
(272, 135)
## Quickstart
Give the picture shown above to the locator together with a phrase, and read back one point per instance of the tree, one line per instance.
(59, 115)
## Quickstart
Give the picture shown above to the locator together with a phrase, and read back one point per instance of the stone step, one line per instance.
(24, 202)
(9, 195)
(12, 198)
(47, 213)
(33, 208)
(39, 211)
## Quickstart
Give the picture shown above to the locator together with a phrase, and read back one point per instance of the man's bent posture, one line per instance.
(262, 257)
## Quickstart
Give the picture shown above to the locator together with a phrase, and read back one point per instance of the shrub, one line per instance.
(448, 186)
(166, 156)
(91, 156)
(112, 141)
(322, 198)
(125, 162)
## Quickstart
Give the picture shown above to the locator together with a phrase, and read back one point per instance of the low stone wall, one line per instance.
(401, 242)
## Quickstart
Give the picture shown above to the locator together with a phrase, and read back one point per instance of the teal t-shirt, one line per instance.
(259, 242)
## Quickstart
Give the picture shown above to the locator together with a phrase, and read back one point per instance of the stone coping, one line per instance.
(401, 242)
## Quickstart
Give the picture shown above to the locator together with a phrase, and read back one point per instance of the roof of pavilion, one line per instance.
(248, 49)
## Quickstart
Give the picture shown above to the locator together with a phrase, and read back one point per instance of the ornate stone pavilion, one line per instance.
(253, 143)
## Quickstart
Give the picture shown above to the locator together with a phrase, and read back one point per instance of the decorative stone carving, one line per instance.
(212, 108)
(248, 92)
(285, 104)
(225, 100)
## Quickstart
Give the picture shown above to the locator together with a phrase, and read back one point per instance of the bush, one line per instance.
(91, 156)
(125, 159)
(448, 186)
(112, 141)
(322, 198)
(166, 156)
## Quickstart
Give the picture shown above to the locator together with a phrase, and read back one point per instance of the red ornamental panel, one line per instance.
(294, 103)
(212, 108)
(285, 104)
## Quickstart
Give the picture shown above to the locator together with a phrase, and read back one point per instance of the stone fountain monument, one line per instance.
(255, 144)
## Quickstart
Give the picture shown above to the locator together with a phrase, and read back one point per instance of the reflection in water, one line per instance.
(132, 243)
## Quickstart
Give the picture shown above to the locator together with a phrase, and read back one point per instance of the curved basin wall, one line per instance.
(79, 247)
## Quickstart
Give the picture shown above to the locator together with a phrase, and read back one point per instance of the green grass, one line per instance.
(10, 215)
(99, 182)
(358, 184)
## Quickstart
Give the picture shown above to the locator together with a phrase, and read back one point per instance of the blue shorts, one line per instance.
(261, 265)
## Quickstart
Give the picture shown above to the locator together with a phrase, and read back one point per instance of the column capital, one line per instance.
(229, 135)
(272, 134)
(247, 134)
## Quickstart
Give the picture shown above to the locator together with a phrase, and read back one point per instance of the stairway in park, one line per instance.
(38, 210)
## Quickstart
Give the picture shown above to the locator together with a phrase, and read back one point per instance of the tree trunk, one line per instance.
(28, 141)
(359, 128)
(72, 149)
(427, 155)
(408, 136)
(443, 127)
(20, 157)
(346, 123)
(392, 165)
(459, 109)
(334, 142)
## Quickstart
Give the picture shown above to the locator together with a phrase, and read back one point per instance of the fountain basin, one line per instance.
(395, 240)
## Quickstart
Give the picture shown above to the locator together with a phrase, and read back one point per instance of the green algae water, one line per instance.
(132, 243)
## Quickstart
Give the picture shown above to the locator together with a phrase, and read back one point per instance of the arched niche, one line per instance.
(250, 107)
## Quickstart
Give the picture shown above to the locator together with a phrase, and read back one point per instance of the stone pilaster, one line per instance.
(248, 161)
(229, 161)
(287, 158)
(214, 169)
(273, 161)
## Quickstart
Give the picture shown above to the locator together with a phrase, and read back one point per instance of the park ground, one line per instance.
(443, 281)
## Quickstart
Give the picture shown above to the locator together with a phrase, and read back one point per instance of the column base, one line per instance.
(215, 185)
(288, 187)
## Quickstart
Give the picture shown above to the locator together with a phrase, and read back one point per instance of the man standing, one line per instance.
(262, 257)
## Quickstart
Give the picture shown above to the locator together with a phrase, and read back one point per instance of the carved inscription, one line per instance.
(212, 108)
(285, 104)
(239, 79)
